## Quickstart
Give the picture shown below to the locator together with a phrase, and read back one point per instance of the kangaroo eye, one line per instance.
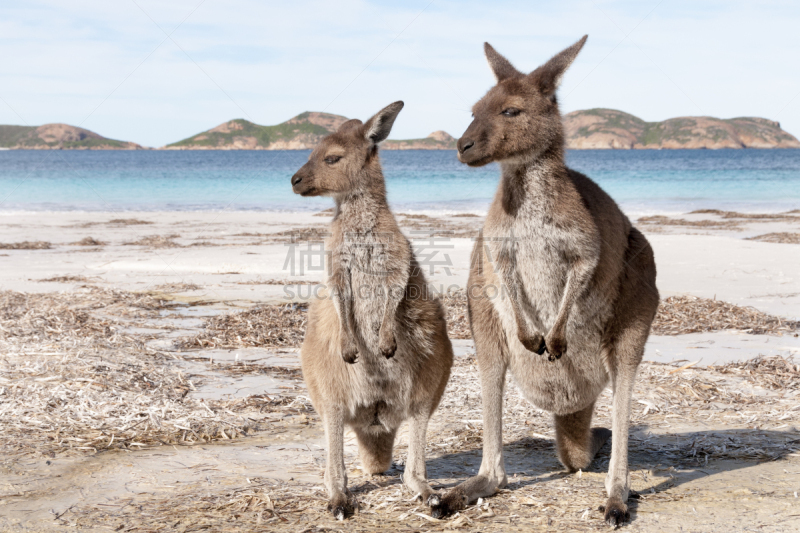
(511, 112)
(331, 159)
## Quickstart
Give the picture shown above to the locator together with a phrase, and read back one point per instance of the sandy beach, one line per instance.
(149, 380)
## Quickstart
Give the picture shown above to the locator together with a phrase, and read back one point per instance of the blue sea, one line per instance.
(641, 181)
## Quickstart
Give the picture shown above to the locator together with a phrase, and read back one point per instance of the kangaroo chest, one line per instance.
(539, 264)
(364, 256)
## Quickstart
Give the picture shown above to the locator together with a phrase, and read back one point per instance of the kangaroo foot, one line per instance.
(442, 506)
(343, 505)
(615, 513)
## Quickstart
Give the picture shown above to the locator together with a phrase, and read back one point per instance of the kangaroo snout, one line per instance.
(303, 183)
(464, 144)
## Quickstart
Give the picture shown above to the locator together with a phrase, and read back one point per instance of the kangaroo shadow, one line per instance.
(683, 457)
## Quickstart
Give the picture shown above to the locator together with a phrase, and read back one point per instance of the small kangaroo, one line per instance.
(376, 352)
(557, 268)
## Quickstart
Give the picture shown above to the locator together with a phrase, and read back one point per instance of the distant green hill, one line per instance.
(299, 133)
(58, 137)
(302, 132)
(609, 128)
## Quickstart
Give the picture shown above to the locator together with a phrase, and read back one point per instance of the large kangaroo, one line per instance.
(556, 268)
(376, 352)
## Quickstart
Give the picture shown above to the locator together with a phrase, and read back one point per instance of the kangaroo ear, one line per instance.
(377, 128)
(501, 67)
(548, 77)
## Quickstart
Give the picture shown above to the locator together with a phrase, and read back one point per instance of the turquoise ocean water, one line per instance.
(642, 181)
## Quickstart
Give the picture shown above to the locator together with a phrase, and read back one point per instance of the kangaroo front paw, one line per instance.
(556, 346)
(349, 353)
(534, 343)
(442, 506)
(388, 346)
(615, 513)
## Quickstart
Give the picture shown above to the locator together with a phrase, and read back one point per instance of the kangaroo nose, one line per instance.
(296, 179)
(465, 144)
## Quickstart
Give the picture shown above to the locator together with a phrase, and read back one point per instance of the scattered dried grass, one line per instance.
(455, 309)
(748, 216)
(660, 220)
(305, 234)
(156, 241)
(423, 226)
(73, 378)
(266, 326)
(177, 287)
(26, 245)
(780, 237)
(770, 372)
(679, 315)
(67, 279)
(128, 222)
(278, 282)
(89, 241)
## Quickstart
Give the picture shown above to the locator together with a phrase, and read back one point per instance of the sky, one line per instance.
(155, 72)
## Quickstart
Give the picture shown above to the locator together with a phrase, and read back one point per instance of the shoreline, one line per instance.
(749, 208)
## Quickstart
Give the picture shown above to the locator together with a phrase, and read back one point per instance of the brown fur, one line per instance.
(577, 281)
(376, 352)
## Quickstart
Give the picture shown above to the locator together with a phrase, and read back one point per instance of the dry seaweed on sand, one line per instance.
(283, 282)
(455, 309)
(305, 234)
(156, 241)
(788, 215)
(421, 227)
(177, 287)
(660, 220)
(265, 326)
(26, 245)
(770, 372)
(73, 379)
(84, 317)
(779, 237)
(128, 222)
(679, 315)
(88, 241)
(66, 279)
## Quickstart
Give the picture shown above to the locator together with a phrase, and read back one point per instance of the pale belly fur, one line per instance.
(572, 382)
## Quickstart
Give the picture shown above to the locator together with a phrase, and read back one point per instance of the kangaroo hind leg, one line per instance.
(576, 441)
